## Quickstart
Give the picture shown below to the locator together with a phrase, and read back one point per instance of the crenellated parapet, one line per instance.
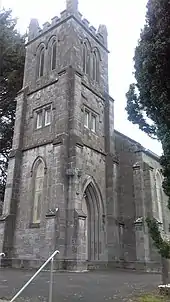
(71, 11)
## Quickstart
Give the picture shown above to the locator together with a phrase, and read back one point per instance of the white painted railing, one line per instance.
(51, 258)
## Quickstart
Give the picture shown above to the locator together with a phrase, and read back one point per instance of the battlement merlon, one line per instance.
(102, 31)
(71, 10)
(34, 29)
(72, 5)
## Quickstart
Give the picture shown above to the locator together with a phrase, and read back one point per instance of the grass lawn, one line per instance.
(152, 298)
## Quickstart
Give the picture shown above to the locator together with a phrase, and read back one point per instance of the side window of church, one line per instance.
(90, 120)
(159, 208)
(86, 58)
(40, 67)
(38, 191)
(53, 55)
(43, 117)
(47, 116)
(91, 62)
(95, 67)
(93, 122)
(87, 119)
(39, 119)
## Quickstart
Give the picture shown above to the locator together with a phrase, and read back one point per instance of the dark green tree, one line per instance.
(148, 100)
(12, 56)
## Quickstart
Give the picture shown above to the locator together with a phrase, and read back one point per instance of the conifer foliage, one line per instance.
(148, 100)
(12, 56)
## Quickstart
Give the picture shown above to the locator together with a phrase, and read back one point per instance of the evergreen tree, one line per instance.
(12, 56)
(148, 100)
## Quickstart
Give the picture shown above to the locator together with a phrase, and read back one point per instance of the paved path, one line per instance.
(86, 287)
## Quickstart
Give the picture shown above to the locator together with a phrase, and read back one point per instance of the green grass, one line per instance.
(153, 298)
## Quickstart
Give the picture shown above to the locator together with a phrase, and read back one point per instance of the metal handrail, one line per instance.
(51, 258)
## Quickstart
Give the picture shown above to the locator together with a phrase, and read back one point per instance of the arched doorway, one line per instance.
(93, 226)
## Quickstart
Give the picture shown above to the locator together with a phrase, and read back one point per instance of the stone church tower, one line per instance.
(74, 183)
(61, 188)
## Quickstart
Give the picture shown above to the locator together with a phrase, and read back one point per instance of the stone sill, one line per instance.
(34, 225)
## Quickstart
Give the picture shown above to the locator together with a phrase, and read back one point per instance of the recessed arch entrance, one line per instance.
(92, 207)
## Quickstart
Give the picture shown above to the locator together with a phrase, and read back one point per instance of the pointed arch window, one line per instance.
(159, 196)
(38, 191)
(95, 65)
(41, 62)
(54, 55)
(86, 59)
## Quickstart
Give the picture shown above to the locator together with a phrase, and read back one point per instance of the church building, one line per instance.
(75, 183)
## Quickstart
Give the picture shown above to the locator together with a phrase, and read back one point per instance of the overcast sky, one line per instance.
(124, 20)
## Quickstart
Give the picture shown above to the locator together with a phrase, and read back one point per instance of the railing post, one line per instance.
(51, 258)
(2, 255)
(51, 281)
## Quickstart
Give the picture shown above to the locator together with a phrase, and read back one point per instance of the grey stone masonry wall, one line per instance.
(125, 150)
(78, 37)
(111, 183)
(156, 167)
(137, 197)
(153, 163)
(31, 241)
(142, 203)
(70, 31)
(85, 153)
(55, 96)
(10, 209)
